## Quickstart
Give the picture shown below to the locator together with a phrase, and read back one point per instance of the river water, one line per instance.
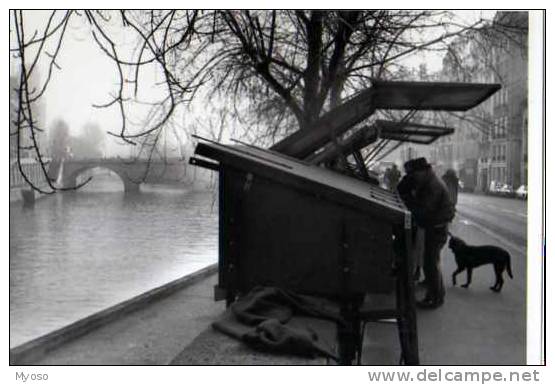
(76, 253)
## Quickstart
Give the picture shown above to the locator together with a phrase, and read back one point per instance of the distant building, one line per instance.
(507, 156)
(461, 150)
(39, 117)
(13, 116)
(27, 155)
(489, 143)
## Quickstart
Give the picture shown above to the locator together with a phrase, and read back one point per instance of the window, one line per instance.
(501, 125)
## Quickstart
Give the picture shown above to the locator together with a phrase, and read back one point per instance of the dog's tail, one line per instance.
(509, 271)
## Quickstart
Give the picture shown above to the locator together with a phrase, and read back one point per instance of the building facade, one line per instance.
(489, 145)
(27, 155)
(507, 154)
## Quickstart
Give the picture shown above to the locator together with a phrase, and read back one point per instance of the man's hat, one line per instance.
(416, 165)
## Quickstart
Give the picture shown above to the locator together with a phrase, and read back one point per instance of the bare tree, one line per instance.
(275, 71)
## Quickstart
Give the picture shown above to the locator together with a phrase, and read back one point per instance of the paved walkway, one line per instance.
(475, 326)
(153, 335)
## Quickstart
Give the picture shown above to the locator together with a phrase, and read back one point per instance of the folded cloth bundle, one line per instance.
(261, 320)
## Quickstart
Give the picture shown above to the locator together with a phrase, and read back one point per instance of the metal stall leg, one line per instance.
(406, 306)
(230, 241)
(349, 336)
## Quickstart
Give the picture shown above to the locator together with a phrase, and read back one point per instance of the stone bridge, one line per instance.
(131, 172)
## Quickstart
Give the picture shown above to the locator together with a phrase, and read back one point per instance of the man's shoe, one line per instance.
(428, 303)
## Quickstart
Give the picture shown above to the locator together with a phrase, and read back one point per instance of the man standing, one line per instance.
(427, 197)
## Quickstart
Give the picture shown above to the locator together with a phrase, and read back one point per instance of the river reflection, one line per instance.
(77, 253)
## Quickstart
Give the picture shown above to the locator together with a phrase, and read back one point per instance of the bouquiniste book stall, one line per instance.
(287, 219)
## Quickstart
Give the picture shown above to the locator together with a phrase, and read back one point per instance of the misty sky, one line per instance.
(87, 76)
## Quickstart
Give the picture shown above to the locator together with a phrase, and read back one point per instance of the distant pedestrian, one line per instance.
(386, 175)
(452, 183)
(394, 176)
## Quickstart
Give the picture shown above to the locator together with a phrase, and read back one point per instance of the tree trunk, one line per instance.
(312, 72)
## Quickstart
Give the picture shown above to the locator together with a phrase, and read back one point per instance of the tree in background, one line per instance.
(273, 71)
(90, 143)
(59, 140)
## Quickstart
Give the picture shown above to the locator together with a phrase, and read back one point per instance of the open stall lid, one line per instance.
(327, 184)
(411, 132)
(437, 96)
(380, 129)
(384, 95)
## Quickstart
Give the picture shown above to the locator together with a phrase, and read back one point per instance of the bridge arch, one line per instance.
(72, 171)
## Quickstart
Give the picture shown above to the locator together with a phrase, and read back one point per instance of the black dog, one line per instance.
(469, 257)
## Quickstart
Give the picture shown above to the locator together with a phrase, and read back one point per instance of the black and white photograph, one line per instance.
(278, 187)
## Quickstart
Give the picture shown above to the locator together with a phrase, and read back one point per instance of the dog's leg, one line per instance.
(468, 277)
(498, 277)
(496, 284)
(499, 273)
(501, 281)
(455, 273)
(494, 287)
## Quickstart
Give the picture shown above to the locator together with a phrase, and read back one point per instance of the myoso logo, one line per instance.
(24, 377)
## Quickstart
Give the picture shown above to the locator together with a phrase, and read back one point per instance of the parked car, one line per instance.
(522, 192)
(500, 189)
(506, 190)
(495, 187)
